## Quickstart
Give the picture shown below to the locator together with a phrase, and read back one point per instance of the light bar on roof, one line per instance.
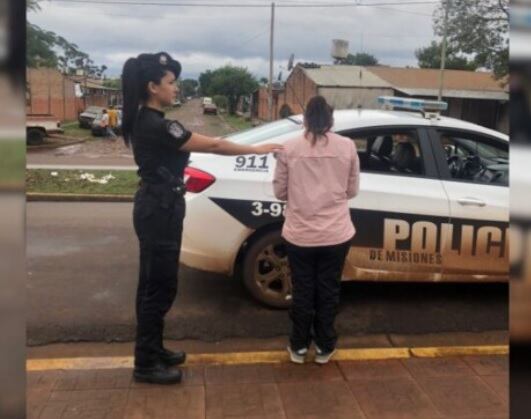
(413, 104)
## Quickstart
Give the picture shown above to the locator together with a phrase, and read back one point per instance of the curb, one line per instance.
(58, 197)
(459, 350)
(271, 357)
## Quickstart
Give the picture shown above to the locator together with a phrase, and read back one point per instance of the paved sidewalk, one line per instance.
(452, 387)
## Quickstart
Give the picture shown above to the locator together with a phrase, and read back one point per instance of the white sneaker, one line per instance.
(323, 357)
(297, 356)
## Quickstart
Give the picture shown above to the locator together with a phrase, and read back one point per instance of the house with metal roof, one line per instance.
(472, 96)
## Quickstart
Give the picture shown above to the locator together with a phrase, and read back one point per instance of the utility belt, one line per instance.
(166, 193)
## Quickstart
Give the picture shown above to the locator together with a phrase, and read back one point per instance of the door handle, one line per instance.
(471, 202)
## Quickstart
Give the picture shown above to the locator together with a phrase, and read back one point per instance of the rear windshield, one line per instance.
(265, 132)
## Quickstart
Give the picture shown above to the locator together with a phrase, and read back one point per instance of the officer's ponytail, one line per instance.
(136, 75)
(131, 87)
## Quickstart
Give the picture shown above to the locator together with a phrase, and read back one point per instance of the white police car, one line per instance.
(433, 202)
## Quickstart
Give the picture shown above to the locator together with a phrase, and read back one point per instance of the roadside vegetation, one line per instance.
(239, 123)
(12, 162)
(105, 182)
(72, 130)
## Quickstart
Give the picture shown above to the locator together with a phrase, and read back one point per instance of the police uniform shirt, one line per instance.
(157, 142)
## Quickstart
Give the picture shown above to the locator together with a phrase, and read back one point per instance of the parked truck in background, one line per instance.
(38, 127)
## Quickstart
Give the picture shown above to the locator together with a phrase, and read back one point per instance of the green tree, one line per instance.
(113, 83)
(361, 58)
(479, 29)
(221, 102)
(47, 49)
(430, 57)
(40, 47)
(189, 87)
(33, 5)
(232, 82)
(205, 80)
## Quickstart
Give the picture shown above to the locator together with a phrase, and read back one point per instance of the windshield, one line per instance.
(486, 151)
(265, 132)
(93, 109)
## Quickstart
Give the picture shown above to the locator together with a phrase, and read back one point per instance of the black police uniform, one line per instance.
(158, 214)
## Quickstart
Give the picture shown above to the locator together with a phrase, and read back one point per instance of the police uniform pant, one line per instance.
(158, 224)
(316, 285)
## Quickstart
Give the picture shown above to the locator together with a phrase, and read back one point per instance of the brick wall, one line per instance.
(263, 103)
(93, 99)
(50, 93)
(298, 90)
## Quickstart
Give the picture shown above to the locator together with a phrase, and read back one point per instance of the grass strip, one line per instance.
(12, 162)
(237, 122)
(101, 182)
(72, 129)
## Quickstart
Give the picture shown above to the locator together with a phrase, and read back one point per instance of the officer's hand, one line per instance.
(268, 148)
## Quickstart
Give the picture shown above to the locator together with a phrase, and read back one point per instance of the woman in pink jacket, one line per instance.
(316, 173)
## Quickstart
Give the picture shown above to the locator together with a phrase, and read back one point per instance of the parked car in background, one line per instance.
(177, 103)
(210, 108)
(38, 127)
(87, 117)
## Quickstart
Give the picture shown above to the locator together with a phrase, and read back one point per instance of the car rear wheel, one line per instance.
(35, 136)
(266, 273)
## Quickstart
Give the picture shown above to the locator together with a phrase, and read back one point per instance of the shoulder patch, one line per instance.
(176, 130)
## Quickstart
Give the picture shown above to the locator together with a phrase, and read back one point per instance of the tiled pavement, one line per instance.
(456, 387)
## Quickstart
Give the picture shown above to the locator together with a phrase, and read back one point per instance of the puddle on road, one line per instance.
(46, 246)
(68, 151)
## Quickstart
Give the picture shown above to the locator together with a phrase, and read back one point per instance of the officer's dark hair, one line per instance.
(136, 75)
(318, 118)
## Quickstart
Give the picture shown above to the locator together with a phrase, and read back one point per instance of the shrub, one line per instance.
(221, 101)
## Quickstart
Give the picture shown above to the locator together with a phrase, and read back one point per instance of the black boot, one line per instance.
(158, 374)
(170, 358)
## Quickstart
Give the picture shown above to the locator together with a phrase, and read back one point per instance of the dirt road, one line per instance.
(115, 153)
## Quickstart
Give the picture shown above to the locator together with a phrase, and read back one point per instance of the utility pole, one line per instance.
(443, 49)
(271, 40)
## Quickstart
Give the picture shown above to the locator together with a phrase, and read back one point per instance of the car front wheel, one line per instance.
(266, 273)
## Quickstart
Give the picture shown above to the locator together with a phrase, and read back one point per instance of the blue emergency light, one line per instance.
(413, 104)
(520, 17)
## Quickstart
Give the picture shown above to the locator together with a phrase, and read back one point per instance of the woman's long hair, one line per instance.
(318, 118)
(135, 79)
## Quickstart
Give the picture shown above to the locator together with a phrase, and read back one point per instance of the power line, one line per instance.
(254, 37)
(235, 5)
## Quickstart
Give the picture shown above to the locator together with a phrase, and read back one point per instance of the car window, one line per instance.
(265, 132)
(474, 158)
(394, 151)
(93, 109)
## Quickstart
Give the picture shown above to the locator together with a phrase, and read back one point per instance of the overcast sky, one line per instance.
(204, 37)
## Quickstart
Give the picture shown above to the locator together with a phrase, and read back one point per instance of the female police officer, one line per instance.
(161, 149)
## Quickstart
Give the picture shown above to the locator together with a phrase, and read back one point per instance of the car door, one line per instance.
(400, 208)
(474, 172)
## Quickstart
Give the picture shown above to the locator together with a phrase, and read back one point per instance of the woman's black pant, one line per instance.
(316, 281)
(158, 222)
